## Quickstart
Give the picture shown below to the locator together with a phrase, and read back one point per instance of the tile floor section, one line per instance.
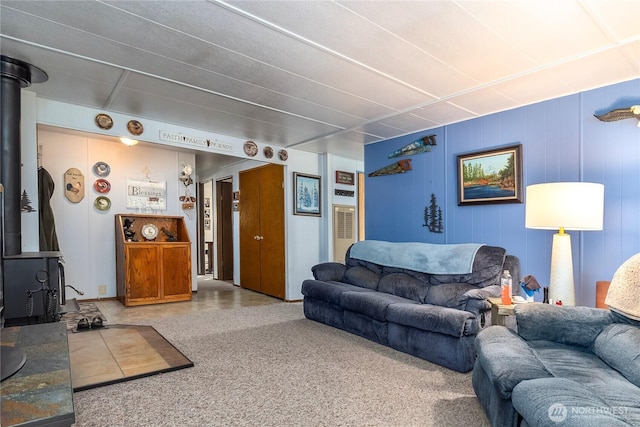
(113, 353)
(211, 294)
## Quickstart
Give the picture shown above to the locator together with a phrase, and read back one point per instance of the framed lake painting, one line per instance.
(490, 176)
(306, 197)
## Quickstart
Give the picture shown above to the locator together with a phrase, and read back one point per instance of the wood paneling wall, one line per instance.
(562, 141)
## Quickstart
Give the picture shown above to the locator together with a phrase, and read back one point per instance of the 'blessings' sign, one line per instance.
(146, 194)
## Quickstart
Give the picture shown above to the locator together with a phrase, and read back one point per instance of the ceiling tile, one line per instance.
(443, 113)
(330, 75)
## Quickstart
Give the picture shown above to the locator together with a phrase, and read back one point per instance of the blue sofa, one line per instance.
(565, 366)
(424, 299)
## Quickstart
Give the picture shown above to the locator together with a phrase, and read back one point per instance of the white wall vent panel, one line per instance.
(344, 230)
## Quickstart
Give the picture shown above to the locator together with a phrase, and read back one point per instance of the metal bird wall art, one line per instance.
(621, 114)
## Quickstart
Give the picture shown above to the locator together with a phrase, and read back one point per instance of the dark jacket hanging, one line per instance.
(48, 237)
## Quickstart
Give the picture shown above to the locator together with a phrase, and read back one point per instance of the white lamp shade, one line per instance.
(568, 205)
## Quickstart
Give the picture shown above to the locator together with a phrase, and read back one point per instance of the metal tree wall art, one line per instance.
(433, 216)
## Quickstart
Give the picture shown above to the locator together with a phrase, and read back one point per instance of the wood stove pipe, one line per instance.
(15, 75)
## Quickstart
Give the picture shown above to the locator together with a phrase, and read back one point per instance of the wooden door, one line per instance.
(224, 230)
(262, 246)
(250, 229)
(272, 260)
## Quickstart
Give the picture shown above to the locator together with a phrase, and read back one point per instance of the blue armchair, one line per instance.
(565, 366)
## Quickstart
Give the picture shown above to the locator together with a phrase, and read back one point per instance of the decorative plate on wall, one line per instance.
(250, 148)
(102, 186)
(135, 127)
(101, 169)
(268, 152)
(283, 155)
(102, 203)
(104, 121)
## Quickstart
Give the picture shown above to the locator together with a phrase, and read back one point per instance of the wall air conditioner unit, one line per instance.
(344, 230)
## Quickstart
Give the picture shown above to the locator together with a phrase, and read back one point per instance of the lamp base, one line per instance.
(561, 280)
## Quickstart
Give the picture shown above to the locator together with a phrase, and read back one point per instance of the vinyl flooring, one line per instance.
(211, 294)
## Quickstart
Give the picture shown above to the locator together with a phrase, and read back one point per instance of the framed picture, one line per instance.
(343, 177)
(307, 194)
(491, 176)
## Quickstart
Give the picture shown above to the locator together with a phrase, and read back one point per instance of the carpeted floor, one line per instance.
(270, 366)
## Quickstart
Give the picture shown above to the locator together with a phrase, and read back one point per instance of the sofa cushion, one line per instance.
(619, 346)
(577, 363)
(434, 318)
(403, 285)
(328, 291)
(563, 402)
(487, 267)
(372, 304)
(353, 262)
(566, 325)
(507, 359)
(362, 276)
(450, 295)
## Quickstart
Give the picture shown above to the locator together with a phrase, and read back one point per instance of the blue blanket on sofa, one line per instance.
(423, 257)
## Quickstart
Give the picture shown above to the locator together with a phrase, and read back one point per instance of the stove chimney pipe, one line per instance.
(15, 75)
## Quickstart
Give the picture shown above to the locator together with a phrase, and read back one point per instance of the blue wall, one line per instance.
(561, 141)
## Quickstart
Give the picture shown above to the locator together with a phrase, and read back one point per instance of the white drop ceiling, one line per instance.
(320, 76)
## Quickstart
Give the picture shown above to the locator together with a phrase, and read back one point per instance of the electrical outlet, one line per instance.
(102, 289)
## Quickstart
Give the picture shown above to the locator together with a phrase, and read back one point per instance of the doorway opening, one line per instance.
(224, 230)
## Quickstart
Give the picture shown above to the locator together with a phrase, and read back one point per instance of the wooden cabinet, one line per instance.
(262, 247)
(152, 271)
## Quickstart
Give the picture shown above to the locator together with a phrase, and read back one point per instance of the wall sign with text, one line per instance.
(343, 177)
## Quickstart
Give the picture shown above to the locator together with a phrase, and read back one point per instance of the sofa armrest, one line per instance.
(475, 300)
(327, 271)
(566, 325)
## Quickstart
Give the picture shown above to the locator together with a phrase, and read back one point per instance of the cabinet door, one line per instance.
(176, 271)
(142, 272)
(250, 229)
(272, 256)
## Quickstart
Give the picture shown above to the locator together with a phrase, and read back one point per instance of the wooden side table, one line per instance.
(499, 311)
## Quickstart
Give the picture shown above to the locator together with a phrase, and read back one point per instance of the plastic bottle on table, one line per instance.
(506, 287)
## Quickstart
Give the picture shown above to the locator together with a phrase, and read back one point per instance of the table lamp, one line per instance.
(564, 206)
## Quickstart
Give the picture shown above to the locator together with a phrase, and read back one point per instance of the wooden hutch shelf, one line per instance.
(152, 270)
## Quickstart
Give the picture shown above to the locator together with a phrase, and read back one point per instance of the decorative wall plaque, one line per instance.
(74, 185)
(345, 177)
(346, 193)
